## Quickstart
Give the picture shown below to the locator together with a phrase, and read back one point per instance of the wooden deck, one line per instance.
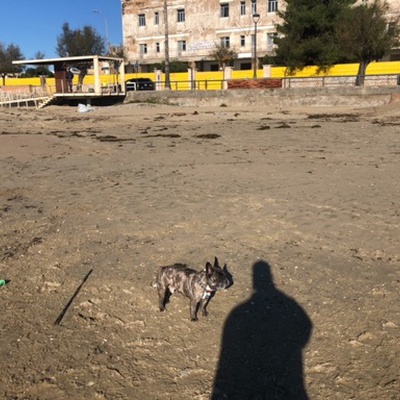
(61, 99)
(97, 93)
(40, 97)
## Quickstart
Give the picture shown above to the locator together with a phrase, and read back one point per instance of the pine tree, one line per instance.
(7, 55)
(307, 34)
(366, 34)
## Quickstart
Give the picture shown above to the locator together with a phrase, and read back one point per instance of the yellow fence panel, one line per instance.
(245, 74)
(375, 68)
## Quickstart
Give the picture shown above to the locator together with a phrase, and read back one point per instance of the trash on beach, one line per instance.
(3, 282)
(84, 108)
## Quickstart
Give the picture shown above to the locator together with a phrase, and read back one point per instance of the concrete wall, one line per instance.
(274, 98)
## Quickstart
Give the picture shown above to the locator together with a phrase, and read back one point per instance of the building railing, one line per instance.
(106, 89)
(198, 84)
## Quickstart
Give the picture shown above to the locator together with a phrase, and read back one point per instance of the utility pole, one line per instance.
(106, 26)
(166, 47)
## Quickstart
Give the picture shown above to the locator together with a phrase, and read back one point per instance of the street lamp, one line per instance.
(166, 47)
(106, 25)
(256, 18)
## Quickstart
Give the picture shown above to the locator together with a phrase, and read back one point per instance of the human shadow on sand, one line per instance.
(263, 338)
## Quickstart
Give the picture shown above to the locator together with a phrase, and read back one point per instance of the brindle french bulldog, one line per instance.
(199, 287)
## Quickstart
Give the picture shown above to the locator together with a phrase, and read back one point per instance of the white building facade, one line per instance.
(194, 28)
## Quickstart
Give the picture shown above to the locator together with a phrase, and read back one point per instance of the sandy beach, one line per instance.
(302, 204)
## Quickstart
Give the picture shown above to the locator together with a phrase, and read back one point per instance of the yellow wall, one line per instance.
(150, 75)
(212, 80)
(89, 80)
(375, 68)
(247, 74)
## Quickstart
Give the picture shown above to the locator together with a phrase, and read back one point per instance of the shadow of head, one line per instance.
(262, 276)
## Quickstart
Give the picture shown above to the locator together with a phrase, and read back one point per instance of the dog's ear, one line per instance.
(209, 269)
(216, 263)
(225, 268)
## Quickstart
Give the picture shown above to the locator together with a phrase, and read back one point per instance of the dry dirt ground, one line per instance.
(302, 204)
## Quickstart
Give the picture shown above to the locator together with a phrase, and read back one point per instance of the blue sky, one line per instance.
(34, 25)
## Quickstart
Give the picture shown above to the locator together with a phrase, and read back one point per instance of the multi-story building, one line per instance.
(195, 28)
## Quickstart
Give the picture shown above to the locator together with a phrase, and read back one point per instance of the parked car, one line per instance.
(139, 84)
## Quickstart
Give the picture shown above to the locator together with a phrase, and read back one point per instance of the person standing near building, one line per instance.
(69, 77)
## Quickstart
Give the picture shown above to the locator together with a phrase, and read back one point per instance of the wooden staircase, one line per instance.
(51, 100)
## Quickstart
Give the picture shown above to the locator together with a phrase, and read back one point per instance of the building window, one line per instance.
(224, 10)
(142, 20)
(156, 18)
(271, 41)
(142, 48)
(225, 42)
(391, 26)
(253, 7)
(242, 8)
(181, 15)
(272, 5)
(242, 40)
(181, 45)
(158, 48)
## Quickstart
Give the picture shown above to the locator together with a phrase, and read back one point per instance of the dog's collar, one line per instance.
(208, 292)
